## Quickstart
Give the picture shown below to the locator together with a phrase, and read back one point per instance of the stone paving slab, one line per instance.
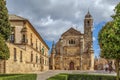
(47, 74)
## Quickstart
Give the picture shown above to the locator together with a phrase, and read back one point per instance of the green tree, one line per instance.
(109, 39)
(4, 50)
(4, 31)
(4, 21)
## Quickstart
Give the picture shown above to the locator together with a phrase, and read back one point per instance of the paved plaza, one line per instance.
(47, 74)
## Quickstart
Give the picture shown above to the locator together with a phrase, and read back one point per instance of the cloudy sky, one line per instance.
(53, 17)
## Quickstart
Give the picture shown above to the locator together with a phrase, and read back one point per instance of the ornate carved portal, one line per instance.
(71, 66)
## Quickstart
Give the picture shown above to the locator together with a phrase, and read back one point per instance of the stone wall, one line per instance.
(14, 64)
(24, 66)
(2, 66)
(70, 52)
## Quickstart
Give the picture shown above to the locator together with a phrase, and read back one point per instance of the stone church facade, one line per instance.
(28, 51)
(74, 49)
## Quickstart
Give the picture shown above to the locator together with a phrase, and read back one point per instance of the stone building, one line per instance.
(102, 63)
(74, 49)
(28, 51)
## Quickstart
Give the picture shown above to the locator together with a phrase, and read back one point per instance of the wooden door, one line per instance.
(71, 66)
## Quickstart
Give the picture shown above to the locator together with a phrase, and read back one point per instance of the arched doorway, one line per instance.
(71, 66)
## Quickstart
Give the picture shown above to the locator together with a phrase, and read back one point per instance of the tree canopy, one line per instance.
(4, 50)
(4, 21)
(109, 39)
(4, 31)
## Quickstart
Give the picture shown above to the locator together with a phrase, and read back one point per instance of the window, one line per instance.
(43, 50)
(36, 45)
(23, 38)
(20, 56)
(88, 23)
(71, 41)
(36, 58)
(31, 56)
(12, 38)
(40, 60)
(15, 55)
(31, 40)
(40, 47)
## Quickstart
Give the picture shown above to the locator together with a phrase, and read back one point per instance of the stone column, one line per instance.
(53, 52)
(92, 60)
(53, 63)
(61, 53)
(81, 51)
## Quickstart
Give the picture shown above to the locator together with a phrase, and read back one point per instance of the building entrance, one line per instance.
(71, 66)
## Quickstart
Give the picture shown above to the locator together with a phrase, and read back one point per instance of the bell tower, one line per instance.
(88, 26)
(88, 40)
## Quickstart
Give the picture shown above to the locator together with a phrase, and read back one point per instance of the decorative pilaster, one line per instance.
(53, 52)
(81, 51)
(92, 58)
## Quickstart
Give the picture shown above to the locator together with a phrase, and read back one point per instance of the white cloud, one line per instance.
(52, 17)
(46, 21)
(94, 38)
(52, 31)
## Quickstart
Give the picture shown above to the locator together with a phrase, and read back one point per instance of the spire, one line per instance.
(53, 48)
(88, 12)
(88, 15)
(53, 45)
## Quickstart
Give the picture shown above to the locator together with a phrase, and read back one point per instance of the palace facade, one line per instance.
(28, 51)
(74, 49)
